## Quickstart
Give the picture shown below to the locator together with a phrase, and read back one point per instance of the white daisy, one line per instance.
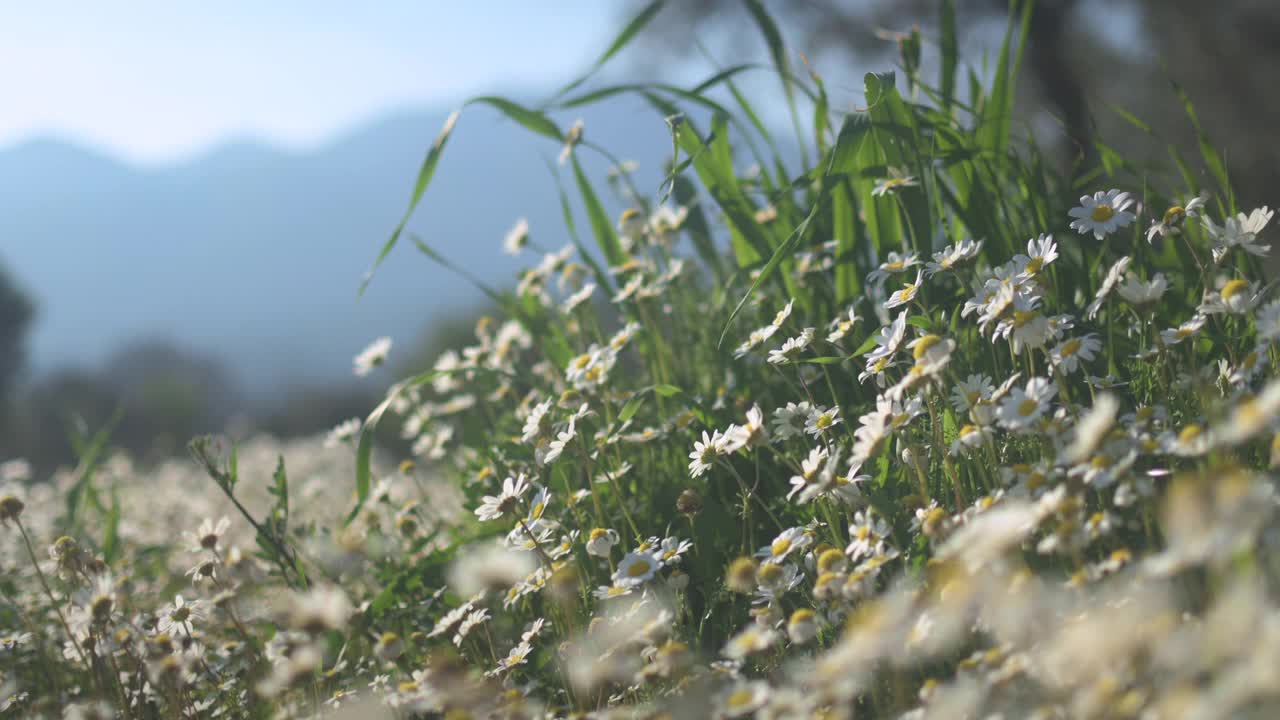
(372, 356)
(517, 237)
(1113, 276)
(1023, 406)
(1069, 353)
(1102, 213)
(895, 264)
(906, 294)
(1241, 232)
(635, 569)
(1173, 219)
(1041, 251)
(952, 255)
(493, 507)
(1141, 294)
(705, 453)
(792, 347)
(821, 420)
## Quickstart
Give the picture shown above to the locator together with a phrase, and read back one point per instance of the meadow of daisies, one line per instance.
(908, 424)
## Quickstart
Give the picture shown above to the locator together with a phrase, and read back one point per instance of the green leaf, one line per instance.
(825, 360)
(922, 322)
(867, 346)
(667, 390)
(629, 410)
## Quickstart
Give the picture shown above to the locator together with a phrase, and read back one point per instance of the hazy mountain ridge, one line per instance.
(253, 253)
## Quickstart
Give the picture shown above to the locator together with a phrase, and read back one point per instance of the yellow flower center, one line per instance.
(638, 568)
(1070, 347)
(1233, 288)
(780, 547)
(824, 421)
(598, 533)
(894, 266)
(769, 573)
(881, 364)
(908, 291)
(1103, 213)
(1034, 265)
(741, 698)
(1100, 462)
(1027, 407)
(1174, 215)
(1022, 317)
(1189, 433)
(581, 362)
(923, 344)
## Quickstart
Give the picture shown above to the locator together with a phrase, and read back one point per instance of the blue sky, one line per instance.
(157, 80)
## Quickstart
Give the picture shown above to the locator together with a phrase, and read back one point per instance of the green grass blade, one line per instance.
(623, 38)
(1212, 158)
(601, 227)
(532, 120)
(778, 52)
(950, 49)
(781, 253)
(425, 174)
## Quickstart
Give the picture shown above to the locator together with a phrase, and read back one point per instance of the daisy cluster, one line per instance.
(933, 464)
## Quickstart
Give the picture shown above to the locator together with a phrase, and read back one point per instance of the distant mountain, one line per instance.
(253, 254)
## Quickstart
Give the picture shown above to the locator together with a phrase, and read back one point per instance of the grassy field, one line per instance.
(914, 424)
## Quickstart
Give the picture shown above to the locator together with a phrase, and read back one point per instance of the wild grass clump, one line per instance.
(921, 427)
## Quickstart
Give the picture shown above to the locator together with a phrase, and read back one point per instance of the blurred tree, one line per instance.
(1082, 58)
(15, 317)
(169, 394)
(165, 396)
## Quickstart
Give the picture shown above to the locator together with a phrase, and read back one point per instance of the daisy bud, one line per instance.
(803, 626)
(407, 524)
(10, 508)
(678, 580)
(770, 575)
(389, 647)
(406, 466)
(563, 584)
(673, 658)
(162, 644)
(689, 503)
(831, 561)
(741, 575)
